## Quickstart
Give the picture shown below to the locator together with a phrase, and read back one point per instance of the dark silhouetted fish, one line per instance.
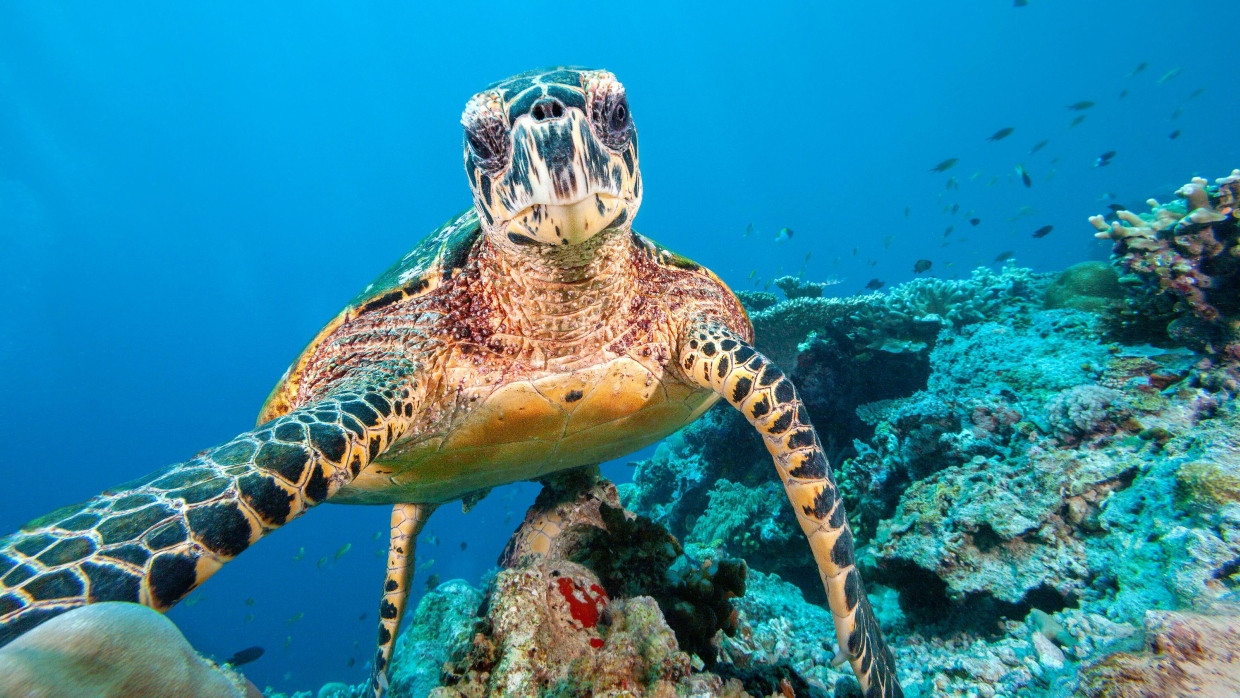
(1116, 208)
(1077, 121)
(875, 284)
(922, 265)
(1020, 3)
(1174, 134)
(1081, 105)
(1001, 133)
(1038, 146)
(1004, 256)
(464, 545)
(1104, 159)
(1024, 176)
(1043, 231)
(1197, 92)
(1140, 67)
(245, 656)
(945, 165)
(975, 221)
(432, 582)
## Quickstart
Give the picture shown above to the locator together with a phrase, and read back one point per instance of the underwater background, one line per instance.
(188, 193)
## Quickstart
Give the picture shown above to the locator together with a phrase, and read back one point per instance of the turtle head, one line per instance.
(552, 157)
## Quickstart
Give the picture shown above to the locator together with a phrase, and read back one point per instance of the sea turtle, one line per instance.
(533, 333)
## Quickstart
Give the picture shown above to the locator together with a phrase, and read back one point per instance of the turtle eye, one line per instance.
(619, 120)
(612, 120)
(488, 143)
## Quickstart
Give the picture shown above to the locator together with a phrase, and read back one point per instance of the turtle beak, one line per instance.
(561, 185)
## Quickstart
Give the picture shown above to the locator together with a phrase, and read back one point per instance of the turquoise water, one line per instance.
(188, 194)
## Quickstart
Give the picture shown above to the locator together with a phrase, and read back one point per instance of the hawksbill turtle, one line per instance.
(532, 333)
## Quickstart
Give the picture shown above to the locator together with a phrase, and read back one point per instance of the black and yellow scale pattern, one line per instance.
(155, 539)
(715, 357)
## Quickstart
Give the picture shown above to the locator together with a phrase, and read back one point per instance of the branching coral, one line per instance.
(1189, 250)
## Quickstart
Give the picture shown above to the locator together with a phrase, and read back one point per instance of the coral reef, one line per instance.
(1188, 251)
(1043, 475)
(444, 619)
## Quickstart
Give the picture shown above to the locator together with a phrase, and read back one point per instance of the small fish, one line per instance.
(429, 563)
(1001, 133)
(1104, 159)
(748, 230)
(351, 662)
(464, 545)
(432, 539)
(1174, 134)
(1020, 3)
(1123, 93)
(1176, 114)
(1081, 105)
(1039, 145)
(922, 265)
(875, 284)
(296, 617)
(1005, 256)
(322, 562)
(1168, 75)
(288, 642)
(376, 535)
(245, 656)
(1197, 92)
(301, 552)
(907, 211)
(753, 273)
(784, 235)
(193, 600)
(1043, 231)
(993, 181)
(361, 616)
(807, 255)
(952, 183)
(886, 241)
(949, 230)
(1024, 176)
(432, 582)
(945, 165)
(975, 222)
(342, 551)
(1116, 208)
(249, 601)
(249, 618)
(1140, 67)
(955, 209)
(1077, 121)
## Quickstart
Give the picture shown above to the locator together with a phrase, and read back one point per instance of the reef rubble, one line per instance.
(1042, 471)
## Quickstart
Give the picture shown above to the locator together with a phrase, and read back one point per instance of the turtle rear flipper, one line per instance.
(408, 520)
(155, 539)
(713, 356)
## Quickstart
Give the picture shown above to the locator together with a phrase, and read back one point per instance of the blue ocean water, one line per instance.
(187, 193)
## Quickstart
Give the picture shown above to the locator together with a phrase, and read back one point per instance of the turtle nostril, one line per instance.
(547, 108)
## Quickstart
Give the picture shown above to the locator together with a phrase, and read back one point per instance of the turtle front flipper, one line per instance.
(713, 356)
(155, 539)
(408, 520)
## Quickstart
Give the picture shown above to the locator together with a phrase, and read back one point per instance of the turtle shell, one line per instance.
(419, 272)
